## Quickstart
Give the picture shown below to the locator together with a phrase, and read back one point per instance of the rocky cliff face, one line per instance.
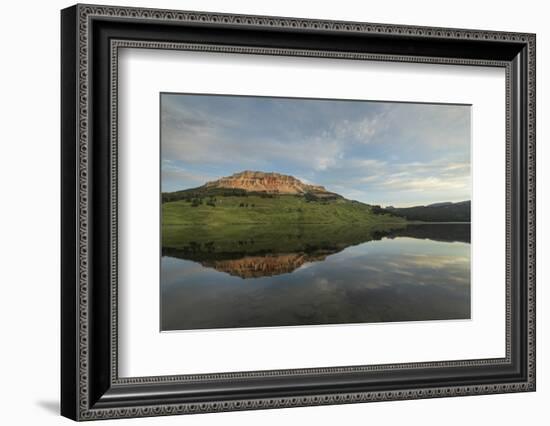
(271, 183)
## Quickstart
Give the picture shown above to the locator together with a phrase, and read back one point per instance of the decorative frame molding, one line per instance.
(91, 388)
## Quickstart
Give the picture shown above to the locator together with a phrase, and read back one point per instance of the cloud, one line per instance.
(172, 174)
(196, 137)
(432, 176)
(361, 130)
(192, 135)
(376, 152)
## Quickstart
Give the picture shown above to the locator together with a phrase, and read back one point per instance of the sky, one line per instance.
(385, 153)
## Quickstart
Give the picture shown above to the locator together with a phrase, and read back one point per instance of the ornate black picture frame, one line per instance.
(91, 387)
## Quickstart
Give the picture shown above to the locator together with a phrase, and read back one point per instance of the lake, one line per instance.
(313, 275)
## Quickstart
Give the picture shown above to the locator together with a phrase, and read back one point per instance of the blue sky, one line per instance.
(383, 153)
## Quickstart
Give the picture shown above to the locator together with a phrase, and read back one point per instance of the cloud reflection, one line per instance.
(400, 279)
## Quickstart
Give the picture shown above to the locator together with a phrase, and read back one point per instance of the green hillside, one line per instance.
(208, 223)
(255, 209)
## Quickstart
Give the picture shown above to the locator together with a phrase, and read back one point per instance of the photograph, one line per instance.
(293, 212)
(265, 208)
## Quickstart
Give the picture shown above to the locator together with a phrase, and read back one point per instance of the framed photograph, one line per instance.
(263, 212)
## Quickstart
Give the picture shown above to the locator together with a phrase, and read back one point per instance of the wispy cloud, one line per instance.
(173, 174)
(383, 153)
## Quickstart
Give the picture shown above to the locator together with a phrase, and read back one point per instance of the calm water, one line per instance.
(417, 273)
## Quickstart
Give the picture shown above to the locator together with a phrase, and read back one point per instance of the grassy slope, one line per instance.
(238, 225)
(281, 209)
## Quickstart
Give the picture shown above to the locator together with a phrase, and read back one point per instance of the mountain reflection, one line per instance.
(263, 266)
(314, 276)
(251, 252)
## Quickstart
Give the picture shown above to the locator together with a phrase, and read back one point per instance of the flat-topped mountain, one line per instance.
(249, 182)
(270, 183)
(255, 224)
(252, 197)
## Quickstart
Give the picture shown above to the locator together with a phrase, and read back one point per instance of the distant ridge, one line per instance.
(437, 212)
